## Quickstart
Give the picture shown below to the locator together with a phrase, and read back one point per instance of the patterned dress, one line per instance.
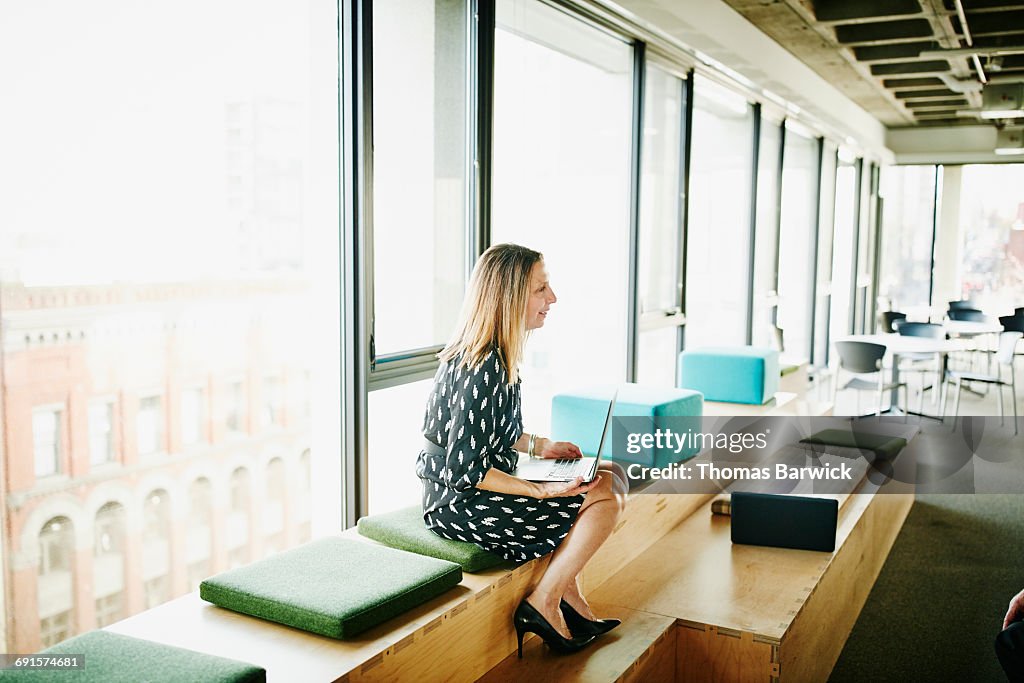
(472, 420)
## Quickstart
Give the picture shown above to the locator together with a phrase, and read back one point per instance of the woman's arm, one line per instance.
(546, 448)
(500, 482)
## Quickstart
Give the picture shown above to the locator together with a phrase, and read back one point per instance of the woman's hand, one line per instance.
(564, 489)
(560, 449)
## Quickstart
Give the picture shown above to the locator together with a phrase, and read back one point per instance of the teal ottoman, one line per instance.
(113, 658)
(335, 587)
(404, 529)
(578, 416)
(742, 374)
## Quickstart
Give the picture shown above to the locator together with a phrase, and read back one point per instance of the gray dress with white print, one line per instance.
(472, 420)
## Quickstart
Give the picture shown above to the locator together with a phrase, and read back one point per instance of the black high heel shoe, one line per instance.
(581, 626)
(528, 620)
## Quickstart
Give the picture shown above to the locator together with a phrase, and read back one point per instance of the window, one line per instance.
(562, 135)
(419, 171)
(766, 239)
(908, 228)
(273, 402)
(156, 548)
(992, 247)
(149, 424)
(395, 418)
(846, 246)
(273, 508)
(824, 255)
(56, 581)
(658, 288)
(198, 534)
(193, 415)
(239, 513)
(109, 564)
(799, 211)
(718, 230)
(194, 253)
(235, 412)
(46, 440)
(101, 431)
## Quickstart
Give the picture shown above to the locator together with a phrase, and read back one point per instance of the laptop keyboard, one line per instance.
(564, 467)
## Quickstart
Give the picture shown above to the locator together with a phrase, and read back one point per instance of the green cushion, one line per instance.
(335, 587)
(404, 529)
(113, 658)
(787, 370)
(883, 446)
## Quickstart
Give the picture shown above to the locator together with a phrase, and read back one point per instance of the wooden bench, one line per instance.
(694, 608)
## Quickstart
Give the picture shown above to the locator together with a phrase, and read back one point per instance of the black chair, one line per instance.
(1019, 311)
(890, 318)
(864, 358)
(962, 304)
(922, 362)
(969, 314)
(1004, 359)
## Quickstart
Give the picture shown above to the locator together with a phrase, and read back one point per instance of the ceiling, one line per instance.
(909, 63)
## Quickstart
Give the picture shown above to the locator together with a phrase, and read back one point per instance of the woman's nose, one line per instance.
(552, 298)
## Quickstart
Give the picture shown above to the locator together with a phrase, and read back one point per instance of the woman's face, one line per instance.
(541, 297)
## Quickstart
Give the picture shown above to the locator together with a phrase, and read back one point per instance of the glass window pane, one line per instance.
(656, 357)
(766, 246)
(841, 322)
(992, 251)
(419, 171)
(908, 222)
(826, 227)
(660, 193)
(395, 419)
(796, 243)
(562, 130)
(195, 245)
(718, 229)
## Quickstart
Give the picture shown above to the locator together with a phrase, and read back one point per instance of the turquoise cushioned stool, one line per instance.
(741, 374)
(114, 658)
(335, 587)
(404, 529)
(578, 415)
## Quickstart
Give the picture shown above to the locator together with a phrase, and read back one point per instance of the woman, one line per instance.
(473, 428)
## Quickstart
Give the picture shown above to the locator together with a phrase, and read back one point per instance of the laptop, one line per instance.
(565, 469)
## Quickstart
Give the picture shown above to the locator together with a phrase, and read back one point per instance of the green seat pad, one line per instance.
(335, 587)
(404, 529)
(787, 370)
(883, 446)
(113, 658)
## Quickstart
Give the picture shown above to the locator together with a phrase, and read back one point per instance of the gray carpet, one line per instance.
(941, 596)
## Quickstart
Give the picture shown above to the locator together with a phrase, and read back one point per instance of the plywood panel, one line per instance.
(707, 655)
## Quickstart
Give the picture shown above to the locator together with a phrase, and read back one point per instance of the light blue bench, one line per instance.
(578, 415)
(741, 374)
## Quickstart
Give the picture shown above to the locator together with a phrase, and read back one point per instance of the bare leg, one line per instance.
(597, 518)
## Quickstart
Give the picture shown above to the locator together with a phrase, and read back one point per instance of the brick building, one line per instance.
(152, 435)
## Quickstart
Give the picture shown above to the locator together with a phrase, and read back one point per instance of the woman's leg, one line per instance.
(573, 595)
(597, 517)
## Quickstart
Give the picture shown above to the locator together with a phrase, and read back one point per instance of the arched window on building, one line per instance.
(108, 578)
(304, 512)
(198, 534)
(156, 548)
(56, 581)
(238, 537)
(273, 508)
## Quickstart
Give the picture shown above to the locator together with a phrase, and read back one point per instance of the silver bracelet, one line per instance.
(530, 450)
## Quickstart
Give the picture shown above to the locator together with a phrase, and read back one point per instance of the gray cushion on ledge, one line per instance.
(334, 587)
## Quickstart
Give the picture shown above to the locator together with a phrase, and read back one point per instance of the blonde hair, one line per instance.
(494, 310)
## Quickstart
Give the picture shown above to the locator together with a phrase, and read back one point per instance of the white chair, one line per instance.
(1004, 359)
(864, 358)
